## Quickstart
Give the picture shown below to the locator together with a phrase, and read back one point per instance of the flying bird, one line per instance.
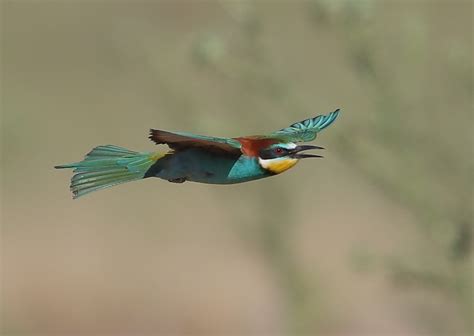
(199, 158)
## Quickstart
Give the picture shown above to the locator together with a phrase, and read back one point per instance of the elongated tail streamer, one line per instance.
(106, 166)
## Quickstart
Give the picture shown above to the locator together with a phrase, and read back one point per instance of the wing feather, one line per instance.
(306, 130)
(182, 140)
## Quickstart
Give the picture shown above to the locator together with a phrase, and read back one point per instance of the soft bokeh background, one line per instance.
(373, 240)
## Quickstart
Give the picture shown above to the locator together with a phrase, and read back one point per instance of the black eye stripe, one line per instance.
(272, 153)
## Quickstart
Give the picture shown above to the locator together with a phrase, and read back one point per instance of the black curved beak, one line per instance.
(295, 153)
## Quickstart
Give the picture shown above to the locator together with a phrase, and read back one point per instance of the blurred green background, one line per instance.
(376, 239)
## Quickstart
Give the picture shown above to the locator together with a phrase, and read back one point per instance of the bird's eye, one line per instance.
(279, 150)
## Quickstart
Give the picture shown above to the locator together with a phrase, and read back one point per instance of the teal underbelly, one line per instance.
(205, 167)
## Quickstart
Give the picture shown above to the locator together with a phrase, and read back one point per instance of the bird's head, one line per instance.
(282, 156)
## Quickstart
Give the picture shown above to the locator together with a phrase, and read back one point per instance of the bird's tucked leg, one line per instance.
(178, 180)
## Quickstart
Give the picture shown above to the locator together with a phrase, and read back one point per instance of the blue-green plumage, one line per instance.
(198, 158)
(198, 165)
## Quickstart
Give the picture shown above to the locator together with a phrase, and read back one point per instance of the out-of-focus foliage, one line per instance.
(376, 238)
(419, 158)
(402, 146)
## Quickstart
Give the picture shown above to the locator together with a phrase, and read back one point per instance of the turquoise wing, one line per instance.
(182, 140)
(306, 130)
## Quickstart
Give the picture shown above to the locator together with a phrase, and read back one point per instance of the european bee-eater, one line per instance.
(199, 158)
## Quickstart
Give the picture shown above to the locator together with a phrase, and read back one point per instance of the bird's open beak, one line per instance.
(295, 153)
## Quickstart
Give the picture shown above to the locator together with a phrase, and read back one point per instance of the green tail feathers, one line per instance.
(106, 166)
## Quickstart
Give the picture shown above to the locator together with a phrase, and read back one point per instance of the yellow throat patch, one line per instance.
(278, 165)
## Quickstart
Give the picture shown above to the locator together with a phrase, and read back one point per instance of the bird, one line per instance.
(199, 158)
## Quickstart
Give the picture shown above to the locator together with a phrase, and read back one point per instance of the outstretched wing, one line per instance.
(306, 130)
(182, 140)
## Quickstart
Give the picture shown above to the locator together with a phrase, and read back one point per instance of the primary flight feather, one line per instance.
(199, 158)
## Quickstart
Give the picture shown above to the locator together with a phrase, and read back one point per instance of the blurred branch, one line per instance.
(439, 188)
(275, 233)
